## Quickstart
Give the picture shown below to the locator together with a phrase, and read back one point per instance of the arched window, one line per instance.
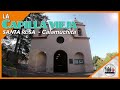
(40, 32)
(79, 58)
(79, 32)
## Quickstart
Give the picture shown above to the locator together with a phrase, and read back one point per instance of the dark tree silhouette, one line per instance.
(23, 41)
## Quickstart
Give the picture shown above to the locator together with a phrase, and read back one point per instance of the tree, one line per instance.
(23, 41)
(109, 56)
(95, 61)
(99, 62)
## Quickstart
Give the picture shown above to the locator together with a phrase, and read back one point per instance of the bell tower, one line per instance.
(83, 40)
(80, 29)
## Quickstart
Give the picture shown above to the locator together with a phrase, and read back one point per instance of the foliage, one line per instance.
(95, 58)
(23, 41)
(99, 62)
(109, 56)
(7, 63)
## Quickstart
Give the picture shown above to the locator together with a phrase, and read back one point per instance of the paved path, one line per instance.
(21, 73)
(45, 74)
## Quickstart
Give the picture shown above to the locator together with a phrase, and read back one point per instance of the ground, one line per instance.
(45, 74)
(21, 73)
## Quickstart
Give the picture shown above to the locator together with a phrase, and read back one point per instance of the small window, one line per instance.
(60, 39)
(71, 61)
(79, 32)
(78, 61)
(40, 32)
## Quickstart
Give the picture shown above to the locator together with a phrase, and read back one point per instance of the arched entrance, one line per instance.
(41, 62)
(79, 61)
(60, 61)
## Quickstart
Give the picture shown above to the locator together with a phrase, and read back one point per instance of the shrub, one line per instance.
(7, 63)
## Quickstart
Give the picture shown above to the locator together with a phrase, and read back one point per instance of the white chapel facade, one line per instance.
(61, 53)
